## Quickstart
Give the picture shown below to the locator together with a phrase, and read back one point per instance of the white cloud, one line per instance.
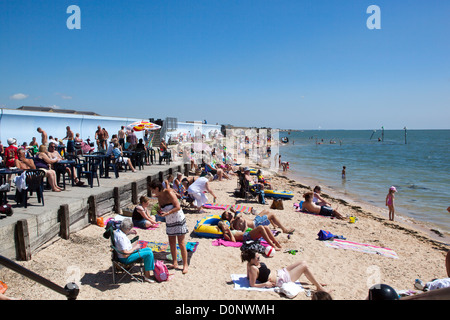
(18, 96)
(63, 96)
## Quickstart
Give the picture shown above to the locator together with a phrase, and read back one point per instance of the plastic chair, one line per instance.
(112, 163)
(139, 159)
(80, 164)
(93, 165)
(165, 156)
(35, 183)
(118, 266)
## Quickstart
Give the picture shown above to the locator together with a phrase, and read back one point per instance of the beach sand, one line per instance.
(85, 257)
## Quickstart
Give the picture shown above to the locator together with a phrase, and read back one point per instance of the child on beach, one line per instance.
(390, 202)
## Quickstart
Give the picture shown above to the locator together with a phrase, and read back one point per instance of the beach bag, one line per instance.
(253, 245)
(161, 272)
(3, 287)
(325, 235)
(6, 209)
(277, 204)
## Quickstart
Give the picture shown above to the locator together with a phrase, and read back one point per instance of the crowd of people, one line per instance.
(45, 152)
(171, 194)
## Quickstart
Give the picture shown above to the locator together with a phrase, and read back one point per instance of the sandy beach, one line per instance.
(85, 257)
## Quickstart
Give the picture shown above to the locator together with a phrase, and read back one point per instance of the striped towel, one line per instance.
(361, 247)
(237, 207)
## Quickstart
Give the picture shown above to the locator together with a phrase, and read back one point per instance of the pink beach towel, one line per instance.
(361, 247)
(237, 207)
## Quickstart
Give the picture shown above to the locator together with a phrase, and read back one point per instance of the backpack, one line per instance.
(161, 272)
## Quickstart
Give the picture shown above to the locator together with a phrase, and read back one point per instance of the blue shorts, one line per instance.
(246, 236)
(261, 221)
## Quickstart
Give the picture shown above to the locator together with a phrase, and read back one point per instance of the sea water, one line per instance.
(417, 164)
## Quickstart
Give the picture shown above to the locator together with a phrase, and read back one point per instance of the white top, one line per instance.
(198, 186)
(122, 242)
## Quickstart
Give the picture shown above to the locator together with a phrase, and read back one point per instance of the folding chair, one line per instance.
(118, 266)
(254, 191)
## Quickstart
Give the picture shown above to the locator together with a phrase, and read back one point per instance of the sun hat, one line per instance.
(11, 141)
(393, 188)
(246, 169)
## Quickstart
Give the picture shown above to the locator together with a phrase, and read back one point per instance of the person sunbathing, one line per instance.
(311, 207)
(258, 271)
(265, 217)
(254, 234)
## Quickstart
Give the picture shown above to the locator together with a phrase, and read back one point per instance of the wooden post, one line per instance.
(134, 193)
(64, 221)
(23, 240)
(149, 192)
(92, 211)
(116, 200)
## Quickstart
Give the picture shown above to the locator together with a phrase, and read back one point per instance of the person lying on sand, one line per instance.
(310, 206)
(239, 222)
(258, 271)
(254, 234)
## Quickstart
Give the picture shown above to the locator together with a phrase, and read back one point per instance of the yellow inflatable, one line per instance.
(278, 194)
(207, 227)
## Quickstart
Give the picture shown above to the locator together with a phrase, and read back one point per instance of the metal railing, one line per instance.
(70, 291)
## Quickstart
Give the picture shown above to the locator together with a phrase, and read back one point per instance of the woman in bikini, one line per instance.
(260, 276)
(176, 227)
(254, 234)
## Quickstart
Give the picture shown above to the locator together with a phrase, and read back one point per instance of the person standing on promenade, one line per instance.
(44, 136)
(121, 136)
(70, 141)
(100, 138)
(390, 202)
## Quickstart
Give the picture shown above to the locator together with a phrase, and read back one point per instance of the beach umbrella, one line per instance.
(143, 125)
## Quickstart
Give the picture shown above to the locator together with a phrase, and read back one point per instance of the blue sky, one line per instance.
(285, 64)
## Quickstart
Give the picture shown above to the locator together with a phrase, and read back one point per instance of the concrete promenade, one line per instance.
(71, 210)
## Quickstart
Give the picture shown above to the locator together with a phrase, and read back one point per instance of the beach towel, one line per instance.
(241, 283)
(225, 243)
(237, 207)
(361, 247)
(161, 250)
